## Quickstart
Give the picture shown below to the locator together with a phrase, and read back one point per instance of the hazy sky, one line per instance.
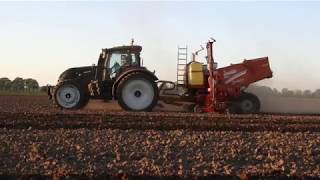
(42, 39)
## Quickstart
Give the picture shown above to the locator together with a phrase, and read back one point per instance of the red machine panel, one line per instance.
(245, 73)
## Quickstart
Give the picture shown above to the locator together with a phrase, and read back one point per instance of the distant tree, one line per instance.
(43, 89)
(316, 93)
(307, 93)
(275, 92)
(17, 84)
(5, 84)
(284, 91)
(290, 93)
(31, 84)
(298, 93)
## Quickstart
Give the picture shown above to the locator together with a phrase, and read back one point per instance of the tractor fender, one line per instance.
(124, 74)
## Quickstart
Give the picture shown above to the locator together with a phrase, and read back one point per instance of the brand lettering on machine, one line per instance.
(235, 76)
(229, 73)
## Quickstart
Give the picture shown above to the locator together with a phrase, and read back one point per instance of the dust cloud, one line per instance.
(292, 105)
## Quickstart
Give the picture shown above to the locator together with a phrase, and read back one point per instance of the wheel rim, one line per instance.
(68, 96)
(247, 105)
(138, 94)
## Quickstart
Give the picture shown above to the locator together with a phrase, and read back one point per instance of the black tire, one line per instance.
(140, 88)
(248, 103)
(80, 102)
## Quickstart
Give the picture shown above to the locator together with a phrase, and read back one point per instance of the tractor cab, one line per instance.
(116, 60)
(115, 64)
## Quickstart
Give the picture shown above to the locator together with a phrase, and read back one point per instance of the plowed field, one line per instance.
(38, 140)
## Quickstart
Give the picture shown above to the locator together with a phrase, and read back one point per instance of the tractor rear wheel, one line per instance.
(137, 92)
(249, 103)
(69, 95)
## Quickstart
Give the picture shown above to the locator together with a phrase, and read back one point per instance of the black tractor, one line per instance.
(118, 75)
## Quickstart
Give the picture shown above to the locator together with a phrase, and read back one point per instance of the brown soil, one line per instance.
(37, 139)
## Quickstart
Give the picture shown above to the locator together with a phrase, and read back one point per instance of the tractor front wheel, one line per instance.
(137, 92)
(69, 95)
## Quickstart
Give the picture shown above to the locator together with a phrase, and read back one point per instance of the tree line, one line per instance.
(285, 92)
(19, 85)
(31, 85)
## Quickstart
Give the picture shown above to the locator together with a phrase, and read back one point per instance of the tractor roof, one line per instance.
(134, 48)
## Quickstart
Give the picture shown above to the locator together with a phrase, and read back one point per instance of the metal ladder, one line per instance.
(182, 61)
